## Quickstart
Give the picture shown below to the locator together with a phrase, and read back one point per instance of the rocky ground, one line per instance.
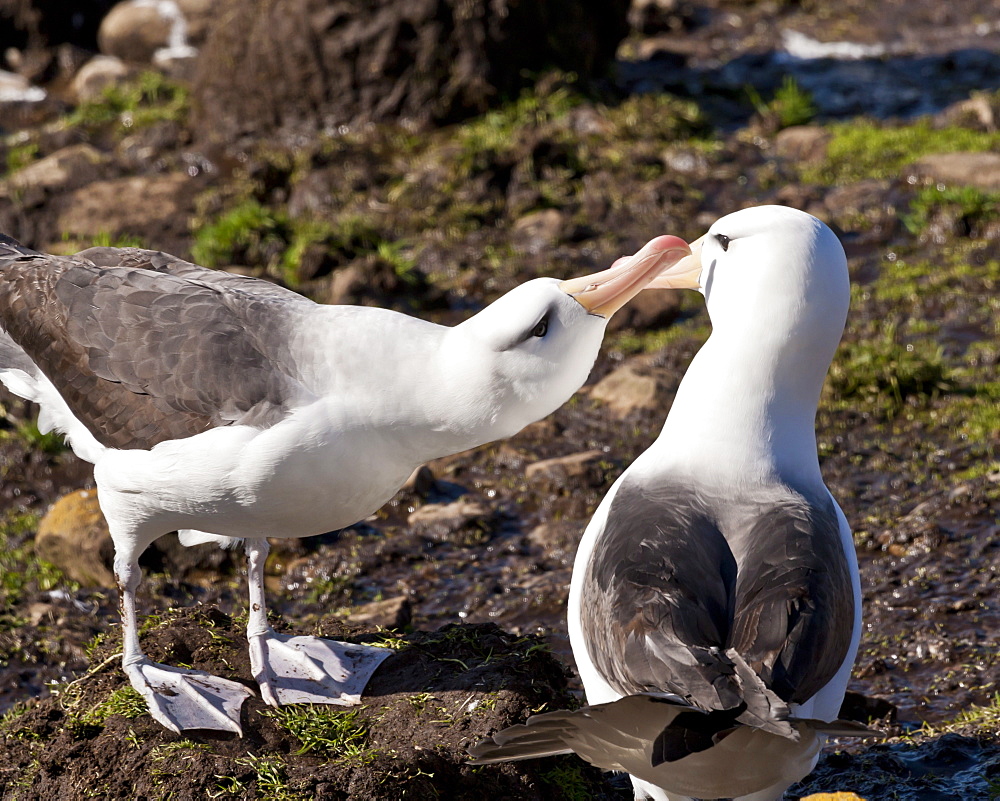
(892, 139)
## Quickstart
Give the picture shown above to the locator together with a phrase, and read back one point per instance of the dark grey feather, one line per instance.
(146, 348)
(747, 615)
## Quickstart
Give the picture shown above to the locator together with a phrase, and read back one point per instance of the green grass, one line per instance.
(21, 155)
(269, 774)
(567, 780)
(20, 569)
(124, 701)
(150, 98)
(325, 730)
(249, 234)
(51, 442)
(863, 149)
(790, 105)
(968, 206)
(884, 372)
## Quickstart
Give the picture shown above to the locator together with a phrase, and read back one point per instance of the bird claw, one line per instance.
(183, 699)
(312, 670)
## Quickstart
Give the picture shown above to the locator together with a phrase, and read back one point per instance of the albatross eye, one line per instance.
(540, 328)
(723, 240)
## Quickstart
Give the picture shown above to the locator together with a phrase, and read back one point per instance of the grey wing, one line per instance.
(157, 261)
(657, 599)
(794, 615)
(140, 356)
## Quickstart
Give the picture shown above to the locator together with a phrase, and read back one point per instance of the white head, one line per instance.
(525, 354)
(776, 286)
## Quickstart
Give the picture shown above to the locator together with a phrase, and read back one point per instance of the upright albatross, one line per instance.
(714, 610)
(228, 408)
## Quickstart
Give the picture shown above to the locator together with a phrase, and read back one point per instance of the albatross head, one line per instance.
(525, 354)
(770, 274)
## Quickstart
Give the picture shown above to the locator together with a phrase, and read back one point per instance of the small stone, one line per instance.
(563, 471)
(466, 522)
(981, 170)
(647, 310)
(95, 76)
(626, 390)
(538, 230)
(803, 143)
(421, 481)
(63, 171)
(833, 797)
(74, 537)
(391, 613)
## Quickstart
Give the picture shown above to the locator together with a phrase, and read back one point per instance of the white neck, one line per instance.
(744, 413)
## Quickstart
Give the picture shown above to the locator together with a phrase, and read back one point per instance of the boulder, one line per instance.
(155, 208)
(806, 144)
(74, 537)
(304, 65)
(63, 171)
(134, 30)
(392, 613)
(628, 390)
(981, 170)
(95, 76)
(465, 522)
(563, 473)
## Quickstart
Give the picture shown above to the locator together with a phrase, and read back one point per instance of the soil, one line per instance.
(907, 428)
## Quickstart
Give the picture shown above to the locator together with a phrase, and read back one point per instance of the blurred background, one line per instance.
(429, 155)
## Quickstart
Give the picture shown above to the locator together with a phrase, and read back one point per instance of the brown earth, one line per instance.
(441, 223)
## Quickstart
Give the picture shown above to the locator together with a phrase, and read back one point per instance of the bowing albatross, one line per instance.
(228, 408)
(714, 610)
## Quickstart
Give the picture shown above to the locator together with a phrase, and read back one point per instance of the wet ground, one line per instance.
(907, 428)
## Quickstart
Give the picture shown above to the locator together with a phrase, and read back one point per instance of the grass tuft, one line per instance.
(325, 730)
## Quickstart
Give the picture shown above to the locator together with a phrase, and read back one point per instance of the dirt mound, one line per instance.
(427, 703)
(306, 65)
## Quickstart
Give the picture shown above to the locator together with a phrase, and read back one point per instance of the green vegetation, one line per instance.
(21, 155)
(325, 730)
(124, 701)
(248, 233)
(51, 442)
(791, 105)
(269, 775)
(148, 99)
(567, 779)
(968, 206)
(861, 149)
(20, 569)
(885, 373)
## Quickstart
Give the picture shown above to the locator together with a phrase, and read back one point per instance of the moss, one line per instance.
(20, 570)
(968, 206)
(886, 373)
(249, 233)
(150, 98)
(21, 155)
(864, 149)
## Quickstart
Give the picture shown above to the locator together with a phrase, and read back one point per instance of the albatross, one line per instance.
(227, 408)
(715, 604)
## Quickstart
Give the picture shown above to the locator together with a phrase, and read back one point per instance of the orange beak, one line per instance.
(606, 292)
(685, 273)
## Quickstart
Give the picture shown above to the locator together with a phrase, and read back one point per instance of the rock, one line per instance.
(74, 537)
(803, 143)
(981, 111)
(565, 472)
(21, 103)
(557, 535)
(134, 205)
(307, 65)
(648, 310)
(134, 30)
(538, 230)
(95, 76)
(467, 522)
(392, 613)
(981, 170)
(421, 481)
(199, 16)
(63, 171)
(626, 390)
